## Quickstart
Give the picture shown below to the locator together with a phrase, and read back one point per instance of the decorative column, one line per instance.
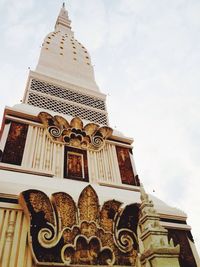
(8, 237)
(155, 249)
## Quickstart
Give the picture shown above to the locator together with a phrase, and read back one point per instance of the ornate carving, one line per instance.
(41, 203)
(90, 136)
(66, 209)
(76, 123)
(60, 234)
(89, 252)
(88, 229)
(126, 228)
(108, 213)
(88, 205)
(63, 123)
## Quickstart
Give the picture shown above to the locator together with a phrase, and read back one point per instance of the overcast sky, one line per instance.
(147, 59)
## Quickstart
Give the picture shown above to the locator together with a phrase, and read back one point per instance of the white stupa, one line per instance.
(70, 193)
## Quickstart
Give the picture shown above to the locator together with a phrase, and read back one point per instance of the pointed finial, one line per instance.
(63, 20)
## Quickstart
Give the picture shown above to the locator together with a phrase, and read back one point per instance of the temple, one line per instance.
(70, 194)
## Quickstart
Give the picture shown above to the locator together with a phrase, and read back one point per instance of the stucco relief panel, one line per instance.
(65, 233)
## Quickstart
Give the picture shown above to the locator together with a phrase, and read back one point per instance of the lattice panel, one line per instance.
(66, 108)
(67, 94)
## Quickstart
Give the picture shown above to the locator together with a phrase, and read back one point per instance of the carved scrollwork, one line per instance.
(91, 136)
(54, 131)
(39, 209)
(97, 141)
(47, 236)
(126, 228)
(40, 202)
(125, 239)
(62, 234)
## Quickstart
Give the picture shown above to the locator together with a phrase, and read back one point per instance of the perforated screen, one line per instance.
(67, 94)
(59, 106)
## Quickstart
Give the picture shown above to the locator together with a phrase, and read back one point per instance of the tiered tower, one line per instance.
(70, 193)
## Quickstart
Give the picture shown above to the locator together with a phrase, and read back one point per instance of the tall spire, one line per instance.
(63, 58)
(63, 20)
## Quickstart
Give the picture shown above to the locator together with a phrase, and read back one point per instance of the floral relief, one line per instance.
(91, 136)
(65, 233)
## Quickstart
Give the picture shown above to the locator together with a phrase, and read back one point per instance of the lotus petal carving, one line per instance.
(74, 133)
(76, 123)
(62, 232)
